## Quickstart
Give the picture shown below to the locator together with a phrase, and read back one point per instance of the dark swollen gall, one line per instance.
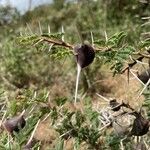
(84, 55)
(140, 125)
(144, 76)
(14, 124)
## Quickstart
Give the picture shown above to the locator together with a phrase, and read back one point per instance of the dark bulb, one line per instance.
(14, 124)
(84, 55)
(144, 76)
(140, 125)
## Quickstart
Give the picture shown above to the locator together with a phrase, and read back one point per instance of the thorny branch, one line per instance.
(104, 49)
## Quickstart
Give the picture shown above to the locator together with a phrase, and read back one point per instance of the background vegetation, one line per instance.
(40, 79)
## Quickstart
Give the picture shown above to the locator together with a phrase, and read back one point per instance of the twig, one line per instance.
(58, 43)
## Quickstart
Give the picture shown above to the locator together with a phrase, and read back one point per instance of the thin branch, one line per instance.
(58, 43)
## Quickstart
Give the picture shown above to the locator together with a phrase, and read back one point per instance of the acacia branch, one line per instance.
(59, 43)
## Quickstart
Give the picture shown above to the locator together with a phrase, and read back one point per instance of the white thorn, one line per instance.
(23, 112)
(65, 133)
(31, 137)
(130, 58)
(47, 95)
(32, 109)
(62, 31)
(147, 147)
(92, 39)
(143, 63)
(77, 82)
(49, 29)
(108, 124)
(29, 28)
(21, 33)
(104, 98)
(39, 41)
(106, 37)
(146, 17)
(144, 88)
(131, 71)
(35, 95)
(46, 117)
(50, 47)
(146, 23)
(40, 28)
